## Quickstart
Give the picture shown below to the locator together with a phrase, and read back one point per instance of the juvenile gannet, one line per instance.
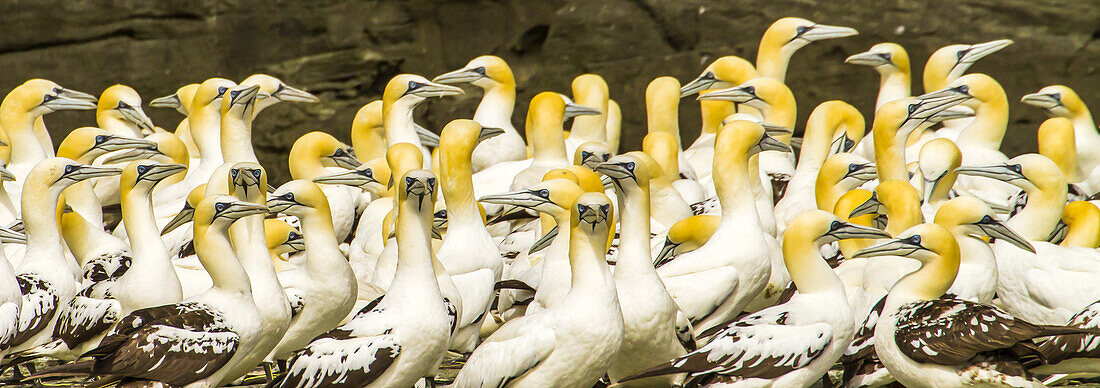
(402, 94)
(804, 336)
(926, 340)
(825, 122)
(589, 90)
(196, 342)
(1061, 101)
(468, 252)
(494, 76)
(654, 329)
(323, 290)
(745, 273)
(572, 343)
(401, 337)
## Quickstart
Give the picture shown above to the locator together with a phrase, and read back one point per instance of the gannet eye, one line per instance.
(48, 98)
(293, 236)
(962, 53)
(986, 220)
(70, 168)
(798, 31)
(256, 173)
(234, 94)
(221, 90)
(1016, 168)
(544, 193)
(221, 207)
(853, 167)
(366, 172)
(606, 156)
(586, 154)
(431, 182)
(630, 166)
(885, 56)
(99, 139)
(963, 89)
(479, 70)
(288, 196)
(915, 240)
(605, 208)
(338, 152)
(409, 181)
(581, 208)
(913, 108)
(750, 90)
(1056, 96)
(123, 105)
(413, 85)
(835, 225)
(142, 169)
(234, 172)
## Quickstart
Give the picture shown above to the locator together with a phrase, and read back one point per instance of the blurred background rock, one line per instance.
(345, 51)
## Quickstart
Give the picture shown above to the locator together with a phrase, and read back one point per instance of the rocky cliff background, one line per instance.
(345, 51)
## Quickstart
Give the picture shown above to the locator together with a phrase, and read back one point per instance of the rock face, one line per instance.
(345, 51)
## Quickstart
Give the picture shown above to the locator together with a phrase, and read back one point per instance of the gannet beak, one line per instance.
(246, 177)
(88, 172)
(999, 230)
(244, 96)
(961, 92)
(132, 155)
(280, 204)
(288, 93)
(869, 58)
(346, 160)
(666, 253)
(1042, 100)
(6, 176)
(136, 115)
(768, 143)
(574, 110)
(617, 170)
(356, 178)
(736, 94)
(872, 205)
(842, 144)
(700, 83)
(544, 241)
(432, 89)
(821, 32)
(1059, 232)
(77, 96)
(894, 247)
(427, 137)
(183, 217)
(526, 199)
(845, 230)
(439, 221)
(593, 215)
(955, 112)
(115, 143)
(8, 236)
(169, 101)
(1003, 172)
(460, 76)
(776, 130)
(981, 50)
(295, 242)
(862, 171)
(160, 171)
(488, 133)
(244, 209)
(69, 100)
(3, 143)
(930, 186)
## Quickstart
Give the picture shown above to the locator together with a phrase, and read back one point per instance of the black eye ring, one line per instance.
(798, 31)
(964, 89)
(409, 181)
(413, 85)
(70, 168)
(750, 90)
(123, 105)
(885, 56)
(480, 70)
(234, 94)
(142, 169)
(288, 196)
(220, 207)
(48, 98)
(913, 108)
(1016, 168)
(431, 182)
(234, 172)
(544, 193)
(915, 240)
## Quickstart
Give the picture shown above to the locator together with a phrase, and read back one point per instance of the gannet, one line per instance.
(948, 64)
(1061, 101)
(181, 102)
(494, 76)
(589, 90)
(891, 61)
(403, 93)
(310, 157)
(937, 163)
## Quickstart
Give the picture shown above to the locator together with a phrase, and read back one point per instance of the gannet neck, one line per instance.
(205, 130)
(590, 90)
(456, 175)
(894, 84)
(809, 271)
(415, 271)
(662, 106)
(495, 109)
(713, 111)
(397, 117)
(936, 274)
(773, 55)
(829, 119)
(987, 129)
(40, 216)
(587, 259)
(634, 255)
(216, 254)
(1057, 142)
(322, 246)
(148, 252)
(19, 126)
(732, 177)
(902, 205)
(547, 138)
(889, 151)
(661, 146)
(368, 132)
(1041, 212)
(236, 139)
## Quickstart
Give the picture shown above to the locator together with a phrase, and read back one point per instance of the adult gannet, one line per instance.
(198, 341)
(891, 61)
(237, 112)
(44, 274)
(309, 157)
(840, 174)
(745, 273)
(468, 252)
(825, 122)
(283, 240)
(804, 336)
(588, 90)
(494, 76)
(204, 123)
(323, 290)
(662, 99)
(274, 91)
(784, 37)
(1080, 226)
(1056, 142)
(146, 278)
(18, 112)
(926, 340)
(937, 163)
(971, 221)
(572, 343)
(685, 236)
(119, 112)
(669, 193)
(401, 337)
(181, 102)
(654, 329)
(1061, 101)
(403, 93)
(724, 72)
(1055, 283)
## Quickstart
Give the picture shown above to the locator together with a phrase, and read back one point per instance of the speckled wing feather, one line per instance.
(84, 318)
(1064, 347)
(39, 306)
(352, 355)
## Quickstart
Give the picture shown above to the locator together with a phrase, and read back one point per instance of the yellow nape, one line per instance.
(939, 262)
(403, 157)
(836, 169)
(1057, 142)
(662, 106)
(901, 205)
(662, 149)
(833, 126)
(787, 35)
(844, 206)
(196, 195)
(587, 179)
(1082, 220)
(614, 124)
(590, 90)
(79, 142)
(889, 151)
(368, 132)
(278, 233)
(692, 232)
(543, 128)
(937, 163)
(314, 151)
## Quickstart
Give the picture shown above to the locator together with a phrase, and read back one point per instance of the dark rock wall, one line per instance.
(344, 51)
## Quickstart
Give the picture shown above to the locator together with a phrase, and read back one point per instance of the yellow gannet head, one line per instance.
(843, 171)
(188, 212)
(409, 90)
(39, 97)
(240, 102)
(550, 196)
(298, 198)
(121, 102)
(282, 238)
(972, 89)
(819, 227)
(937, 163)
(274, 91)
(1057, 142)
(744, 137)
(661, 146)
(58, 173)
(209, 95)
(951, 62)
(418, 186)
(931, 244)
(145, 174)
(459, 138)
(1080, 224)
(247, 180)
(591, 90)
(724, 72)
(322, 147)
(839, 121)
(85, 144)
(591, 153)
(884, 57)
(761, 93)
(402, 157)
(368, 132)
(971, 216)
(220, 211)
(893, 198)
(1057, 100)
(180, 100)
(626, 170)
(486, 72)
(687, 235)
(587, 179)
(795, 33)
(1031, 172)
(592, 213)
(169, 149)
(662, 106)
(910, 114)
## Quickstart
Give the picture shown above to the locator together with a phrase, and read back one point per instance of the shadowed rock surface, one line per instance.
(345, 51)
